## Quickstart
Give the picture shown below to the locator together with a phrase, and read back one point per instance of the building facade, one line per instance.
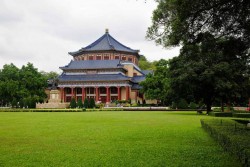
(105, 70)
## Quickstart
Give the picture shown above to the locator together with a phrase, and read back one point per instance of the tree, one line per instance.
(79, 103)
(182, 104)
(72, 103)
(86, 103)
(177, 21)
(50, 75)
(156, 85)
(91, 103)
(212, 69)
(9, 84)
(215, 35)
(21, 84)
(144, 64)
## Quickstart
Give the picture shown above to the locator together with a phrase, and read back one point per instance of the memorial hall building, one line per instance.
(106, 70)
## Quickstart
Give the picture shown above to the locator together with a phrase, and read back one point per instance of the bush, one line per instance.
(79, 103)
(232, 136)
(91, 103)
(14, 103)
(241, 115)
(41, 110)
(86, 103)
(72, 103)
(193, 105)
(182, 104)
(174, 105)
(221, 114)
(100, 105)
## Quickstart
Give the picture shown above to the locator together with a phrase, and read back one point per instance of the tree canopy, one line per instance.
(211, 70)
(176, 21)
(144, 64)
(156, 85)
(214, 60)
(24, 86)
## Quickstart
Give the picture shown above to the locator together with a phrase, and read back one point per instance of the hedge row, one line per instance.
(232, 136)
(42, 110)
(241, 115)
(221, 114)
(230, 114)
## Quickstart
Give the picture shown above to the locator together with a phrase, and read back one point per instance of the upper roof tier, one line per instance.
(105, 43)
(93, 64)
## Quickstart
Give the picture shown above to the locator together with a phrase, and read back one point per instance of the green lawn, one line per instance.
(108, 139)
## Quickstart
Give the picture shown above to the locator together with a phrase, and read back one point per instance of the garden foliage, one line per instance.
(232, 136)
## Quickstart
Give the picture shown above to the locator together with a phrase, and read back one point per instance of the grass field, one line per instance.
(108, 139)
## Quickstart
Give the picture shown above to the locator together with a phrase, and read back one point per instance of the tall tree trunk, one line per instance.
(222, 106)
(209, 105)
(228, 106)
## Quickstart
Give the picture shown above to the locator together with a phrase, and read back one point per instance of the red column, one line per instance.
(72, 92)
(127, 92)
(119, 92)
(83, 93)
(108, 95)
(96, 94)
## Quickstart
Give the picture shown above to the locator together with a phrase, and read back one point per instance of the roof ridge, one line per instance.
(105, 42)
(107, 34)
(121, 43)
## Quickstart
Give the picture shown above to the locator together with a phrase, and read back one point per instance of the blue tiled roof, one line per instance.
(93, 64)
(94, 77)
(136, 87)
(137, 79)
(106, 42)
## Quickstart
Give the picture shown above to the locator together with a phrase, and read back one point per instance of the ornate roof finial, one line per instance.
(107, 30)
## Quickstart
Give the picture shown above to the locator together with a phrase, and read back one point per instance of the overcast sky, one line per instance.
(43, 32)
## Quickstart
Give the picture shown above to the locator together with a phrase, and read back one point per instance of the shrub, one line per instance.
(182, 104)
(221, 114)
(91, 103)
(174, 105)
(193, 105)
(41, 110)
(100, 105)
(21, 104)
(72, 103)
(79, 103)
(86, 103)
(232, 136)
(14, 103)
(241, 115)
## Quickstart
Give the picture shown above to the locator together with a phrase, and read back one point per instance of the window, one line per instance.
(78, 90)
(130, 59)
(98, 57)
(106, 57)
(113, 90)
(102, 90)
(135, 74)
(68, 90)
(91, 57)
(117, 57)
(90, 90)
(124, 58)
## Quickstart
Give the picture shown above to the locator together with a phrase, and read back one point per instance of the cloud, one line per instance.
(43, 32)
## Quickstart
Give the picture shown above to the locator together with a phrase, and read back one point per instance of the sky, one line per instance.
(43, 32)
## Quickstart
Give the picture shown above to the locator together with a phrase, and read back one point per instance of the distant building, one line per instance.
(105, 70)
